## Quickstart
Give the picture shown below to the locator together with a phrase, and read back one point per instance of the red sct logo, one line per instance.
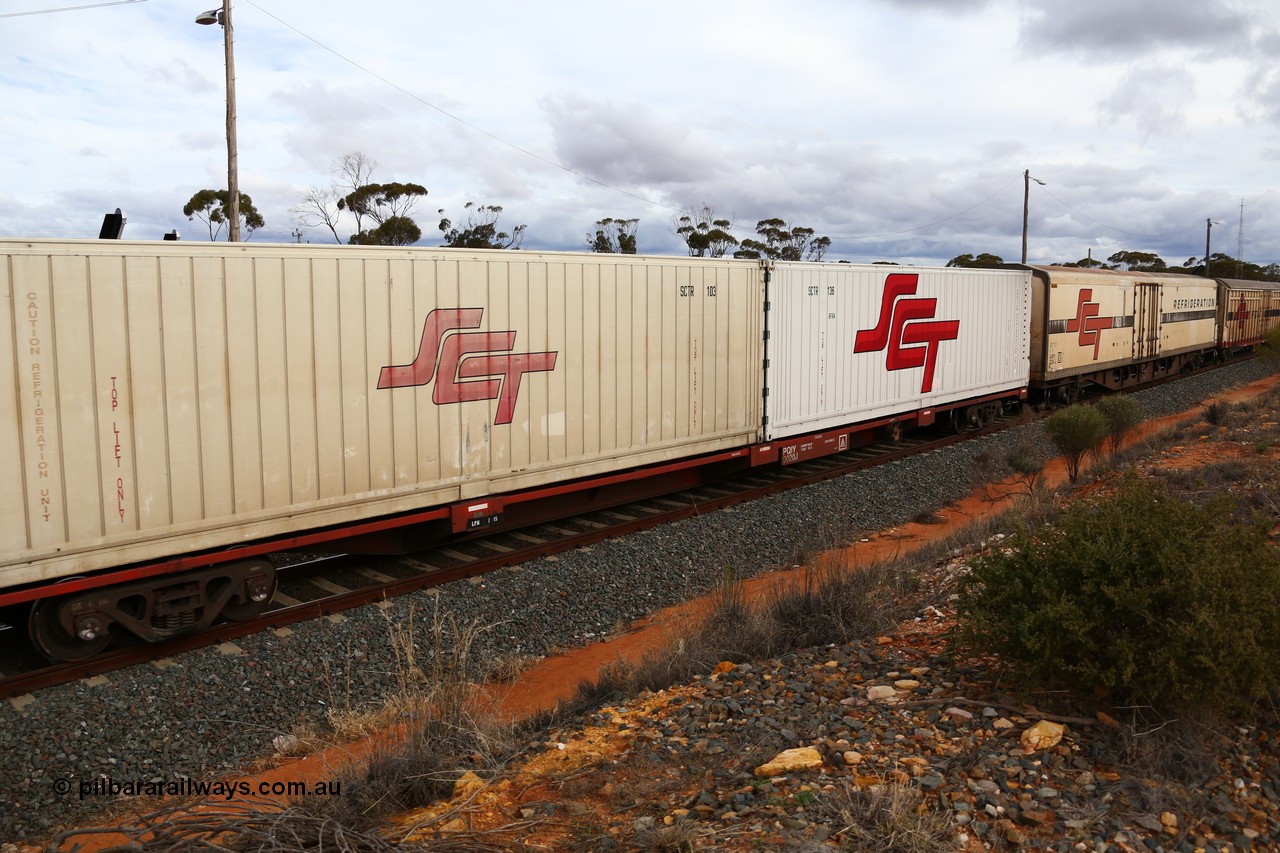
(472, 365)
(1087, 322)
(1242, 313)
(907, 330)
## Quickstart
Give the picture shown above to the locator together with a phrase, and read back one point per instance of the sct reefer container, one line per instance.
(1248, 311)
(850, 343)
(164, 398)
(1100, 324)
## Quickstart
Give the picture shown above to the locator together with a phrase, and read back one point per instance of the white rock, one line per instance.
(1042, 735)
(284, 743)
(801, 758)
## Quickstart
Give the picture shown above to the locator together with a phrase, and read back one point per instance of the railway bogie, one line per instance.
(73, 626)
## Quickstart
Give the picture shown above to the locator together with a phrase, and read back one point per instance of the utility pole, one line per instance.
(1026, 207)
(1208, 229)
(233, 166)
(223, 16)
(1240, 248)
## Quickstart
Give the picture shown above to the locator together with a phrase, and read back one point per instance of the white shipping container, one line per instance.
(166, 398)
(851, 343)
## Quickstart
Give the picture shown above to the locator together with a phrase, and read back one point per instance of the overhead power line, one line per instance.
(69, 8)
(460, 120)
(1114, 228)
(936, 222)
(648, 201)
(561, 166)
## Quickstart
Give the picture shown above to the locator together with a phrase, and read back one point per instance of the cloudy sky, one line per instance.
(898, 128)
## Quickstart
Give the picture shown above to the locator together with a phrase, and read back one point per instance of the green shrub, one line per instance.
(1138, 594)
(1075, 431)
(1026, 463)
(1122, 414)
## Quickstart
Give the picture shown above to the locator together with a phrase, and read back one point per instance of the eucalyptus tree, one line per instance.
(210, 207)
(614, 236)
(704, 233)
(480, 231)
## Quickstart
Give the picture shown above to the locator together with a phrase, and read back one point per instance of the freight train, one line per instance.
(176, 411)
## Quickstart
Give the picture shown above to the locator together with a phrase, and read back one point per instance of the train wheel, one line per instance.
(895, 432)
(53, 641)
(260, 590)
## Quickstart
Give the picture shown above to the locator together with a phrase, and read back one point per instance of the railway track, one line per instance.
(320, 586)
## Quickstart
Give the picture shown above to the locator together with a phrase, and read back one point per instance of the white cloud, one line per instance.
(901, 129)
(1152, 98)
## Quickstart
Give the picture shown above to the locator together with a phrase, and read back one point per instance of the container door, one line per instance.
(1247, 318)
(1146, 321)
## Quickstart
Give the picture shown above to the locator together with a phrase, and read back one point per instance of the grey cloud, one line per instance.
(631, 145)
(1121, 29)
(202, 140)
(178, 74)
(946, 208)
(1262, 88)
(1150, 96)
(325, 111)
(1107, 209)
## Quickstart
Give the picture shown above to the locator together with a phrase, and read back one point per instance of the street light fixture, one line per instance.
(223, 16)
(1026, 205)
(1208, 229)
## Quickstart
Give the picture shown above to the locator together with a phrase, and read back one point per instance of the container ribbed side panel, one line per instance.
(166, 398)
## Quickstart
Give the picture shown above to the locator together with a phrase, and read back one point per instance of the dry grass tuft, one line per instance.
(680, 837)
(448, 728)
(887, 818)
(1182, 754)
(433, 728)
(830, 603)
